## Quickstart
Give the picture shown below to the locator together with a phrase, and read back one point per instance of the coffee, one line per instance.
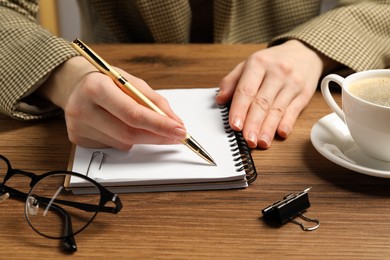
(375, 90)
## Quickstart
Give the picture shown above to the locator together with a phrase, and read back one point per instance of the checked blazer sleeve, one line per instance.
(357, 36)
(28, 54)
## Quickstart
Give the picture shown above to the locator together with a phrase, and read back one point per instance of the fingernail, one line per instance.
(252, 139)
(264, 141)
(284, 132)
(179, 133)
(237, 123)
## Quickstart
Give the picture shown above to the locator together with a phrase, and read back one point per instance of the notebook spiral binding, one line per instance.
(241, 151)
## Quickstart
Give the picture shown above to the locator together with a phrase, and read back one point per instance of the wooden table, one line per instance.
(353, 208)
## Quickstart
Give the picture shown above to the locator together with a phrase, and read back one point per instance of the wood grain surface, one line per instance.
(353, 208)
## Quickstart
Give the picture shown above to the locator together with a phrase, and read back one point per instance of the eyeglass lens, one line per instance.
(50, 207)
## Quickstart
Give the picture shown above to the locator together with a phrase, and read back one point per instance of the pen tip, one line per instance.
(212, 162)
(199, 150)
(202, 153)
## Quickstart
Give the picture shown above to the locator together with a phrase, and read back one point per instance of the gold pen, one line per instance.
(134, 93)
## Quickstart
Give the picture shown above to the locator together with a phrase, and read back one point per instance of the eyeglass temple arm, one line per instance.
(88, 207)
(83, 206)
(15, 193)
(68, 242)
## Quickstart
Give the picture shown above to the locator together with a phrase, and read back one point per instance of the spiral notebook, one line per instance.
(149, 168)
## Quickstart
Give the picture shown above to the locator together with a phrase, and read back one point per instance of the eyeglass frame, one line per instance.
(68, 239)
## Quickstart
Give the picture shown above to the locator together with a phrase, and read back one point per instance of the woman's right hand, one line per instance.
(99, 114)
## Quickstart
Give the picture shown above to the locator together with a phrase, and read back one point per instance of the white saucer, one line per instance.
(331, 138)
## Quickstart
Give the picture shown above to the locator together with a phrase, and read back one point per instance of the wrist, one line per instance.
(63, 80)
(327, 64)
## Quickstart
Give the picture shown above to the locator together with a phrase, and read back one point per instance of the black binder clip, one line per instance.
(288, 209)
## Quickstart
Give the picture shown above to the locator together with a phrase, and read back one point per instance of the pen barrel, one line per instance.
(137, 95)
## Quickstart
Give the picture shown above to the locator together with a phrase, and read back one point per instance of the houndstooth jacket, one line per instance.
(354, 33)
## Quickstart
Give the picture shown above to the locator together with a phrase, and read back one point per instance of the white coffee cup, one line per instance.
(367, 122)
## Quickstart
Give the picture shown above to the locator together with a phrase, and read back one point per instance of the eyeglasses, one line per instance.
(53, 210)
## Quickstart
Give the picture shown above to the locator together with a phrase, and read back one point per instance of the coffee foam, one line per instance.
(375, 90)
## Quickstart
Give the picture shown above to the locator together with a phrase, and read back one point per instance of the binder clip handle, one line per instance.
(290, 207)
(304, 228)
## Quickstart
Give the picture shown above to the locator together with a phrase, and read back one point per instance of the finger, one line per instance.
(261, 106)
(94, 143)
(247, 88)
(228, 85)
(92, 137)
(292, 113)
(273, 118)
(268, 109)
(117, 103)
(99, 140)
(153, 96)
(111, 133)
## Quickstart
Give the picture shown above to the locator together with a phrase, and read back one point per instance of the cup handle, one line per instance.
(328, 96)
